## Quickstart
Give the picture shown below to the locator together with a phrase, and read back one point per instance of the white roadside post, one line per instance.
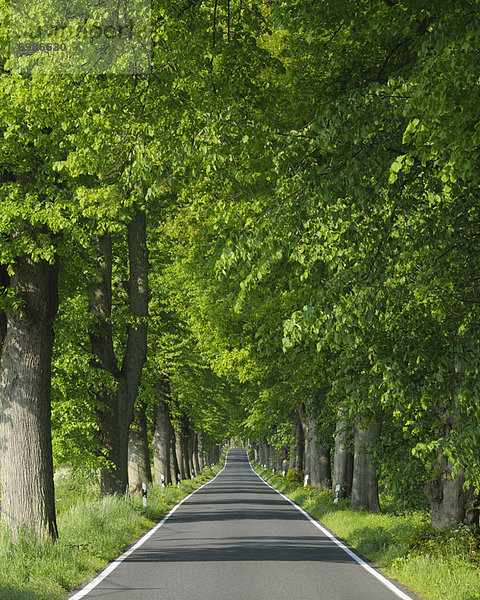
(163, 480)
(337, 493)
(283, 473)
(144, 494)
(305, 481)
(178, 479)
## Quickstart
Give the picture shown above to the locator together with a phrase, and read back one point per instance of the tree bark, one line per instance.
(191, 450)
(343, 459)
(201, 458)
(365, 482)
(450, 502)
(179, 451)
(25, 404)
(317, 456)
(299, 444)
(447, 497)
(291, 457)
(111, 428)
(185, 448)
(196, 462)
(278, 459)
(161, 444)
(306, 440)
(320, 471)
(116, 410)
(261, 451)
(174, 468)
(139, 470)
(268, 455)
(4, 285)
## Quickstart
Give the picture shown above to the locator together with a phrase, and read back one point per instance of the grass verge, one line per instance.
(437, 565)
(93, 531)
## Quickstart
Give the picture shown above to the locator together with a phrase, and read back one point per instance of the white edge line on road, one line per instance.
(359, 560)
(115, 563)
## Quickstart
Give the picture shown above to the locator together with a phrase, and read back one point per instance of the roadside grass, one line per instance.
(93, 531)
(436, 565)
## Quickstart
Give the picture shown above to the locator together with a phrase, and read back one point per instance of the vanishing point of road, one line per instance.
(238, 539)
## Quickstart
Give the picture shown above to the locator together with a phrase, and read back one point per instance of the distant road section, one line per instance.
(238, 539)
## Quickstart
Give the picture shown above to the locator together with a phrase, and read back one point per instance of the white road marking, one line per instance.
(114, 564)
(386, 582)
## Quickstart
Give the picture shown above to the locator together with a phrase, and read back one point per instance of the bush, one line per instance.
(293, 476)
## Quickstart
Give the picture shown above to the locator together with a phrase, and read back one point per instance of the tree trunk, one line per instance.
(320, 472)
(317, 456)
(447, 497)
(174, 468)
(307, 456)
(113, 434)
(365, 482)
(25, 404)
(101, 339)
(185, 449)
(279, 459)
(450, 502)
(299, 444)
(201, 458)
(261, 451)
(196, 462)
(179, 451)
(161, 443)
(139, 470)
(268, 455)
(191, 450)
(116, 410)
(291, 457)
(343, 460)
(4, 285)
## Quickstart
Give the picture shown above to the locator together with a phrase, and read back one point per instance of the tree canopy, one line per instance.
(294, 186)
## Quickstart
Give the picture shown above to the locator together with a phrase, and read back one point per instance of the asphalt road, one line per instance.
(238, 539)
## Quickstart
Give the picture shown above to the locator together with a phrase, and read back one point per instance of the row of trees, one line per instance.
(90, 170)
(273, 234)
(336, 255)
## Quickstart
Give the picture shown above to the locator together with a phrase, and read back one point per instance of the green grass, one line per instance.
(93, 531)
(437, 565)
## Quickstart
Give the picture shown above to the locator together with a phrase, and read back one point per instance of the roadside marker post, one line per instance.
(144, 494)
(305, 481)
(337, 493)
(163, 480)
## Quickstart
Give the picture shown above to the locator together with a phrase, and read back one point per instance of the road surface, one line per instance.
(238, 539)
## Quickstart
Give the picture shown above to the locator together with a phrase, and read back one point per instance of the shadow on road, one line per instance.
(304, 549)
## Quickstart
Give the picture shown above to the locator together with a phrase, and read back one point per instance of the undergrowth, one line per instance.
(436, 564)
(93, 531)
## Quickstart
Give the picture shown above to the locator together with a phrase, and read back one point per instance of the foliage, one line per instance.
(293, 477)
